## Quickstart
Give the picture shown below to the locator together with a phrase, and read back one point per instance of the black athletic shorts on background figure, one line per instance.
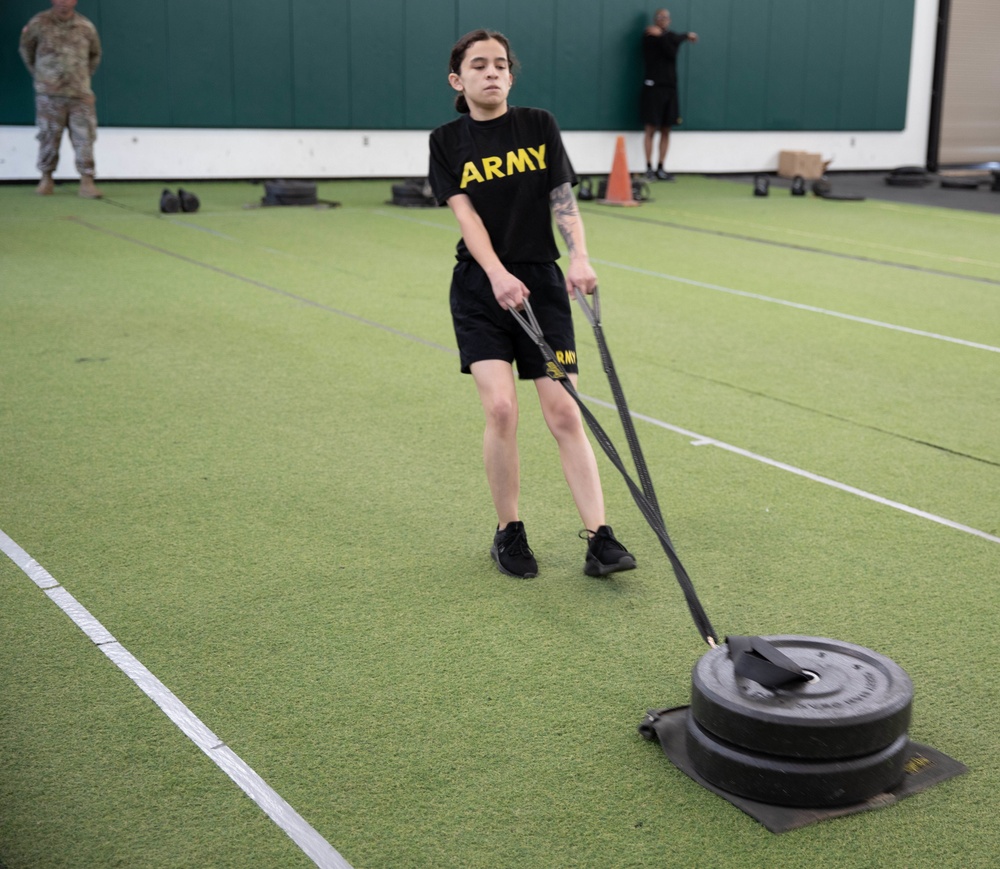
(484, 330)
(659, 106)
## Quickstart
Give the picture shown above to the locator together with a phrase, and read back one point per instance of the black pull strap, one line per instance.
(757, 659)
(645, 502)
(593, 314)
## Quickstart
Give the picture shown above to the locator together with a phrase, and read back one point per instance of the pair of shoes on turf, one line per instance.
(514, 557)
(182, 200)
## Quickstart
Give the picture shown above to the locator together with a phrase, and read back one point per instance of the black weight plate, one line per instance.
(407, 190)
(290, 193)
(961, 183)
(821, 187)
(290, 188)
(412, 200)
(859, 702)
(793, 781)
(907, 180)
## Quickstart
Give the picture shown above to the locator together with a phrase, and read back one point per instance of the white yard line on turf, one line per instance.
(811, 308)
(298, 829)
(702, 440)
(699, 439)
(745, 294)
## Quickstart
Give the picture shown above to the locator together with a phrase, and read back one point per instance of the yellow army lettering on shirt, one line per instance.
(521, 160)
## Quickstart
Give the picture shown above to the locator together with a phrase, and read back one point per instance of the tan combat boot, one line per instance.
(45, 186)
(87, 188)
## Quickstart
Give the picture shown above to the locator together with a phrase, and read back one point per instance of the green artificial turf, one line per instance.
(240, 439)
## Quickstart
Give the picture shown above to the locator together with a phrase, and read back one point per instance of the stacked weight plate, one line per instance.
(289, 193)
(838, 738)
(414, 193)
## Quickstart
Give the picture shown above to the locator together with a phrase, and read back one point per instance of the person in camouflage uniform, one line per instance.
(62, 50)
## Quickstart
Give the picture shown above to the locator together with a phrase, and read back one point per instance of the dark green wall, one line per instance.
(381, 64)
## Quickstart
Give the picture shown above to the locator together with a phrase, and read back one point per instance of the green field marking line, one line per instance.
(697, 439)
(261, 285)
(934, 212)
(845, 419)
(321, 852)
(670, 224)
(840, 239)
(176, 221)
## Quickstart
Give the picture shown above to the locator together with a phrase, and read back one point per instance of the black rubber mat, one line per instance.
(925, 767)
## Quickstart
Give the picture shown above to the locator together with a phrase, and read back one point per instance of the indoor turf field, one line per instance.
(239, 440)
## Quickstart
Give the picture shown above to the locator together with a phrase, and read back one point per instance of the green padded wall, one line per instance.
(321, 63)
(382, 64)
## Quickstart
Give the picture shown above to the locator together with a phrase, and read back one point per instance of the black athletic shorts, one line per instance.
(484, 330)
(659, 106)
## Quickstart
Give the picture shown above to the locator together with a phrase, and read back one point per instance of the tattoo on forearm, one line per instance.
(566, 212)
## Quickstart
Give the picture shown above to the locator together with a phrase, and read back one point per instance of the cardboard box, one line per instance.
(805, 163)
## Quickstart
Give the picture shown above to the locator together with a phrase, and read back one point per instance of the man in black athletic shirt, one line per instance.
(660, 107)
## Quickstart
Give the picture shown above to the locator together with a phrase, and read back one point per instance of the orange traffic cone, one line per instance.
(619, 190)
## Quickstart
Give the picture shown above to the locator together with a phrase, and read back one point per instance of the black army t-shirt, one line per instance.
(507, 167)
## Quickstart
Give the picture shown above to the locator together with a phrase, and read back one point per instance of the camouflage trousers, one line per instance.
(55, 114)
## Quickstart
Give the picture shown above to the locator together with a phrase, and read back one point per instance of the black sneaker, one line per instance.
(663, 175)
(511, 552)
(605, 554)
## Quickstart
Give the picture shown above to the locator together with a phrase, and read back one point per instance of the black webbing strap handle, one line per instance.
(644, 497)
(755, 658)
